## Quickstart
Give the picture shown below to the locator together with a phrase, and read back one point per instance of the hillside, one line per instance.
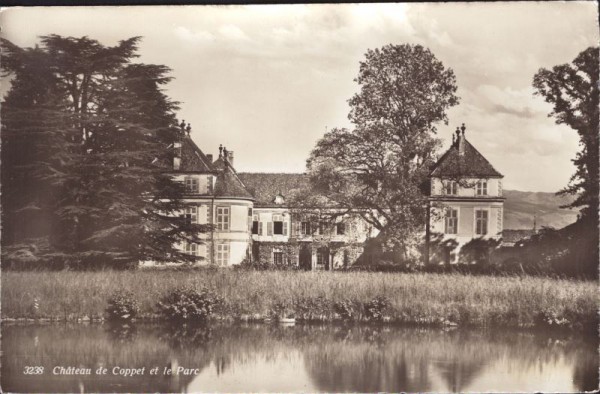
(520, 207)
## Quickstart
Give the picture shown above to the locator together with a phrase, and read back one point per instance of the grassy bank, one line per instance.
(412, 298)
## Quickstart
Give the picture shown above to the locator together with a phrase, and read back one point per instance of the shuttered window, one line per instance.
(280, 227)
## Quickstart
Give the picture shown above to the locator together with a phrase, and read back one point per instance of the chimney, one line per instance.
(230, 157)
(210, 158)
(456, 137)
(461, 140)
(177, 155)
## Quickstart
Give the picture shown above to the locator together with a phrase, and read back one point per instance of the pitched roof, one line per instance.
(266, 186)
(228, 184)
(192, 157)
(470, 163)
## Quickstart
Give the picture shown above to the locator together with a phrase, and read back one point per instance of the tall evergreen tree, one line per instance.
(99, 152)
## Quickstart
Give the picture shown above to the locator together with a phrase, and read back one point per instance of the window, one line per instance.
(256, 226)
(191, 185)
(191, 248)
(279, 225)
(320, 229)
(451, 188)
(481, 222)
(305, 228)
(322, 256)
(340, 228)
(191, 215)
(482, 188)
(222, 254)
(222, 218)
(451, 221)
(278, 257)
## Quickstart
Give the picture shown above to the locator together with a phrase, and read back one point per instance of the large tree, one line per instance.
(572, 89)
(379, 168)
(85, 131)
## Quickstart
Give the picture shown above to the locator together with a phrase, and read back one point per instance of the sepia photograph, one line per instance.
(300, 198)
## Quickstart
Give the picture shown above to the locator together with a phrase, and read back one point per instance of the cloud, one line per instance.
(281, 73)
(519, 102)
(233, 32)
(196, 36)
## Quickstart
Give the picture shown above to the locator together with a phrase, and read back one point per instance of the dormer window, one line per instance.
(451, 188)
(191, 185)
(279, 199)
(481, 188)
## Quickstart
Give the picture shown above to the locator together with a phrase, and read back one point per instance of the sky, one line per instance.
(267, 81)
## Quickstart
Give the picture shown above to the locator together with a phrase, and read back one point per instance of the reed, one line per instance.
(413, 298)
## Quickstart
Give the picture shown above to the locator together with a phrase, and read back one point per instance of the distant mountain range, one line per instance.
(520, 207)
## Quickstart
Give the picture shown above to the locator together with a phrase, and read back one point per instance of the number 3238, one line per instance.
(33, 370)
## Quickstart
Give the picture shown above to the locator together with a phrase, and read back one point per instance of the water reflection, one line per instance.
(271, 358)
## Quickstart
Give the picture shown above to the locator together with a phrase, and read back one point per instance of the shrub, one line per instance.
(188, 304)
(375, 308)
(312, 308)
(346, 309)
(122, 305)
(280, 310)
(259, 265)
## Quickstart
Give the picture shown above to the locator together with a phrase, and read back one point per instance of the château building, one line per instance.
(466, 200)
(253, 220)
(251, 216)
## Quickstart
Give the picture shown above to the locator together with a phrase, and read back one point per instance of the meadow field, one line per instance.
(417, 298)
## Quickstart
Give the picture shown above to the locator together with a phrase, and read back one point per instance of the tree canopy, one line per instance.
(379, 168)
(572, 89)
(84, 132)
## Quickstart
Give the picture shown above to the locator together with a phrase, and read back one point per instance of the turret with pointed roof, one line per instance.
(463, 160)
(466, 200)
(228, 183)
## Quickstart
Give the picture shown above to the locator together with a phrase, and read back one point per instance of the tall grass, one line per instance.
(414, 298)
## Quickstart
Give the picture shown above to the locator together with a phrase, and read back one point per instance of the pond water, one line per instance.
(301, 358)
